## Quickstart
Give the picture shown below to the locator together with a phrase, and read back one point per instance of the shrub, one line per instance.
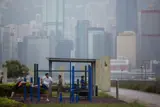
(4, 102)
(146, 86)
(6, 89)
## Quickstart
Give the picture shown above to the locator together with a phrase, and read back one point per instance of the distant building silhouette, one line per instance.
(82, 39)
(99, 43)
(36, 49)
(0, 47)
(22, 11)
(63, 50)
(148, 36)
(126, 15)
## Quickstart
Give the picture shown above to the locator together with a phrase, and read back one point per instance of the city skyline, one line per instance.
(72, 21)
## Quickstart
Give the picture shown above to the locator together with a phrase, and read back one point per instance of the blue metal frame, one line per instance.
(25, 90)
(38, 91)
(72, 88)
(31, 89)
(60, 98)
(91, 88)
(70, 81)
(90, 83)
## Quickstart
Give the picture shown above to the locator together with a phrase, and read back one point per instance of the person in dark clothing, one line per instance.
(60, 85)
(83, 85)
(19, 84)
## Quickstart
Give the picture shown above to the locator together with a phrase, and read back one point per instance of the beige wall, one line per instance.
(103, 74)
(126, 46)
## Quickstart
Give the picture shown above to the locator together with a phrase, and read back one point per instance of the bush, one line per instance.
(146, 86)
(6, 89)
(4, 102)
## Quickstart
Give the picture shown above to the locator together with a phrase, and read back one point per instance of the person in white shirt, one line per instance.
(45, 81)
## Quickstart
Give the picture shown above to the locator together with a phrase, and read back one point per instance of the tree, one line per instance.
(15, 68)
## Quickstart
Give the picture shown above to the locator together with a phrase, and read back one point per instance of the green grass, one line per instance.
(87, 105)
(103, 94)
(54, 94)
(100, 94)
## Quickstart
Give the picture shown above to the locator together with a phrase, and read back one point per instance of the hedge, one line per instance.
(146, 86)
(6, 89)
(5, 102)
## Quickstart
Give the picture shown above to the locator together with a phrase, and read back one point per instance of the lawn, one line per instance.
(100, 94)
(87, 105)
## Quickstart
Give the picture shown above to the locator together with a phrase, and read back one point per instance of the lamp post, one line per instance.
(145, 67)
(121, 73)
(141, 71)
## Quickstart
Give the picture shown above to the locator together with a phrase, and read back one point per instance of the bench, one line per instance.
(82, 93)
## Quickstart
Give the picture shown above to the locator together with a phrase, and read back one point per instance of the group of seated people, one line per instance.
(45, 81)
(83, 83)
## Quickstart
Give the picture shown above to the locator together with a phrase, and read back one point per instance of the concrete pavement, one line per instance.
(153, 100)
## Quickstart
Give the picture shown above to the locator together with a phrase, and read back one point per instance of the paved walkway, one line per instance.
(153, 100)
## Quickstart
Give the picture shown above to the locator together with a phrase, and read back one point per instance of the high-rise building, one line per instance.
(63, 50)
(126, 46)
(6, 45)
(22, 11)
(148, 36)
(98, 43)
(148, 4)
(96, 13)
(0, 47)
(36, 51)
(126, 15)
(20, 50)
(70, 23)
(9, 43)
(82, 39)
(53, 15)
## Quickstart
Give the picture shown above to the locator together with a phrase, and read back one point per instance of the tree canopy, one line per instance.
(15, 68)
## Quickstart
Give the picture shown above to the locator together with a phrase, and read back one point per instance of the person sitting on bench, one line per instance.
(45, 81)
(19, 84)
(83, 85)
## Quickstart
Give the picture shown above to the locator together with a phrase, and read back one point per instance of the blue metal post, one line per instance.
(35, 73)
(38, 92)
(60, 98)
(88, 83)
(72, 84)
(77, 84)
(31, 90)
(91, 88)
(77, 94)
(77, 98)
(25, 91)
(85, 76)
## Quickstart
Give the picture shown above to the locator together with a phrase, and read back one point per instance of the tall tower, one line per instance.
(126, 15)
(53, 19)
(82, 39)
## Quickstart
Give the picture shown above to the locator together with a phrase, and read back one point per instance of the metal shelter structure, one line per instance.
(76, 60)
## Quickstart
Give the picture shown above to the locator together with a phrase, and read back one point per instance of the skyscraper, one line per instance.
(148, 36)
(98, 43)
(126, 15)
(82, 39)
(22, 11)
(126, 47)
(36, 51)
(96, 13)
(0, 47)
(63, 50)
